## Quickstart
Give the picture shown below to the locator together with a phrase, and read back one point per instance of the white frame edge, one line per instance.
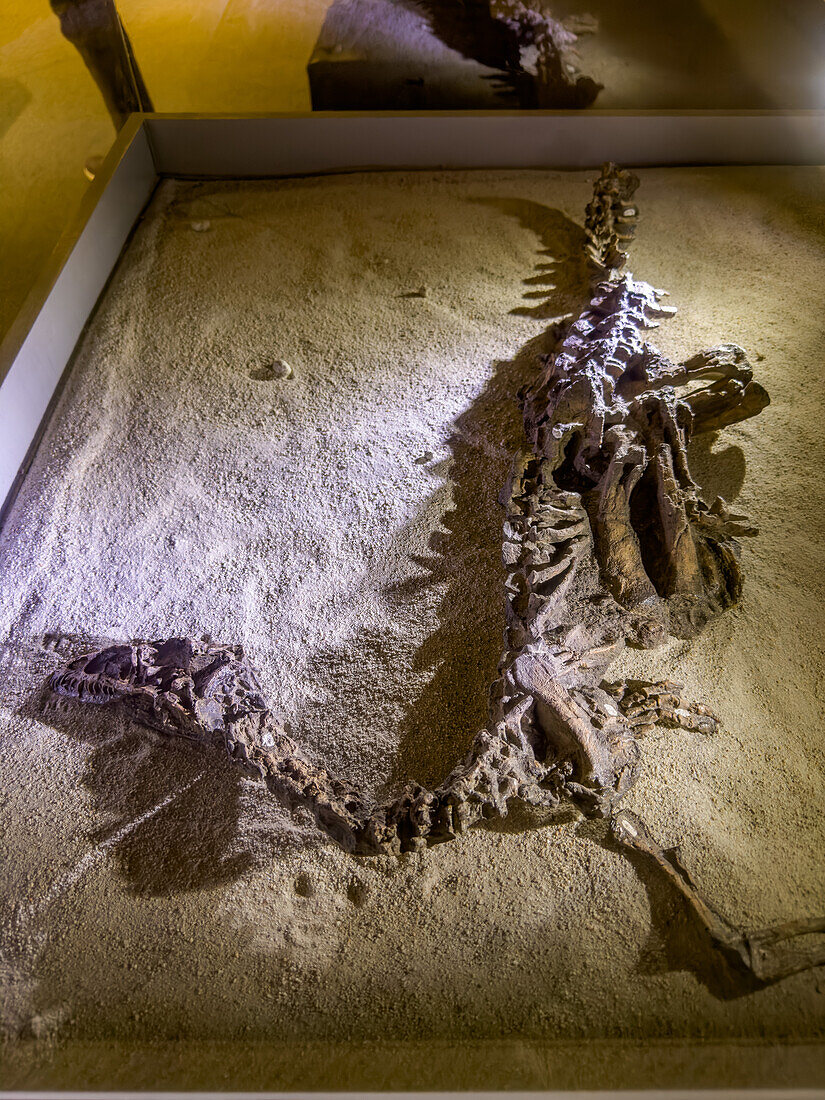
(267, 145)
(37, 348)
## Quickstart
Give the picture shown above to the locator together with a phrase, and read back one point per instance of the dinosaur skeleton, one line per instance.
(547, 49)
(606, 543)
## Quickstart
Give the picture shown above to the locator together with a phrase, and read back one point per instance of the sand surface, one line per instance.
(342, 524)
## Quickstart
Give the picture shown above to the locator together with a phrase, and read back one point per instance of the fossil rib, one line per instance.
(606, 543)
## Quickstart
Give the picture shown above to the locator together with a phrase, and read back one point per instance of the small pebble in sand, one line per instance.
(201, 227)
(41, 1027)
(269, 372)
(303, 885)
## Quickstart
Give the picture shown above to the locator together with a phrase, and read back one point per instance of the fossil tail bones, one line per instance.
(606, 543)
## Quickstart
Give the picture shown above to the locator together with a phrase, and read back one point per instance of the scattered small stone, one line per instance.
(269, 372)
(201, 227)
(422, 460)
(40, 1027)
(303, 885)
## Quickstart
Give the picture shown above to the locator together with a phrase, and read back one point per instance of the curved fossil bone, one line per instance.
(606, 543)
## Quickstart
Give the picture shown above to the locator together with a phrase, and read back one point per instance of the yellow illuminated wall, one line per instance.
(195, 55)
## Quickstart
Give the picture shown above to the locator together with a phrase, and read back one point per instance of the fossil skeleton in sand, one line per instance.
(606, 543)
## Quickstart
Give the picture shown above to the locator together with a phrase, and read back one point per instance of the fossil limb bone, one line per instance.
(769, 953)
(607, 542)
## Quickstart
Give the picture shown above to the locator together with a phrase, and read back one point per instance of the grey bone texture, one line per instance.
(607, 543)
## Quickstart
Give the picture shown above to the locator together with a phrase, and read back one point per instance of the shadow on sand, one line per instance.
(168, 809)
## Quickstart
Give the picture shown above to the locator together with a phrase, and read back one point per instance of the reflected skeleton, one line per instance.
(606, 543)
(554, 63)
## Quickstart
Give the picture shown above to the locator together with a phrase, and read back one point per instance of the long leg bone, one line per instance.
(770, 954)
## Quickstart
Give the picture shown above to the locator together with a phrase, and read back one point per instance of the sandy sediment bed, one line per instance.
(343, 525)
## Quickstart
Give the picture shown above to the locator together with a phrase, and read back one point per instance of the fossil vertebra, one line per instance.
(606, 543)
